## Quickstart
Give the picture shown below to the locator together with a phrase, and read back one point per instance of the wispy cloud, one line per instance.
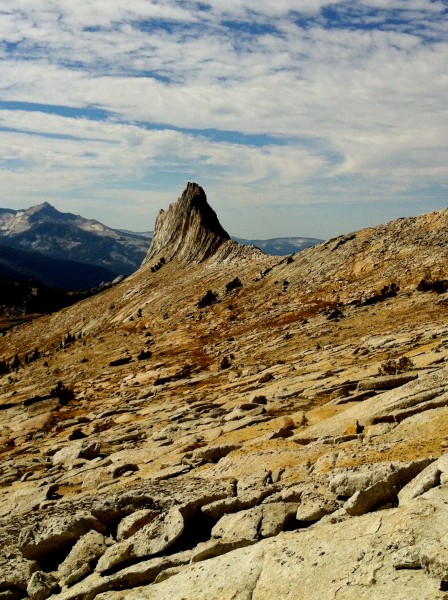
(289, 102)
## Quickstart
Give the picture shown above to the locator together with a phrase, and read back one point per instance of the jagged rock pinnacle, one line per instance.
(189, 230)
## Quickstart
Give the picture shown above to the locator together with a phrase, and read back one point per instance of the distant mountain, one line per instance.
(43, 229)
(281, 246)
(146, 234)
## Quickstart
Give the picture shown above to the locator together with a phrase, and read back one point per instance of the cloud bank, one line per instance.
(108, 108)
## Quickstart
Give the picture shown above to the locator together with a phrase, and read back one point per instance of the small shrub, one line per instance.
(63, 392)
(158, 265)
(207, 299)
(15, 363)
(225, 363)
(333, 313)
(303, 422)
(120, 361)
(4, 367)
(388, 291)
(233, 285)
(394, 367)
(440, 286)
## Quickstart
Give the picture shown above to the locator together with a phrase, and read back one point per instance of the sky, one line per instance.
(298, 117)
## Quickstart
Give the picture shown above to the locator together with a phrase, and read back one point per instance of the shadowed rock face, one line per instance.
(189, 230)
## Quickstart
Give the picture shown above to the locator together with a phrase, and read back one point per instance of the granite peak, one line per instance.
(191, 232)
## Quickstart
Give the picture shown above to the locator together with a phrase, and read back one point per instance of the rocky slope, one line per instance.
(224, 424)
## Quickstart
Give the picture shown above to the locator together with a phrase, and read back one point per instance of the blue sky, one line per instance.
(298, 117)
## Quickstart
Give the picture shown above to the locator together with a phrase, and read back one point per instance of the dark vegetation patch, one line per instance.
(21, 299)
(208, 299)
(440, 286)
(388, 291)
(333, 313)
(144, 355)
(233, 285)
(124, 360)
(62, 392)
(393, 366)
(158, 265)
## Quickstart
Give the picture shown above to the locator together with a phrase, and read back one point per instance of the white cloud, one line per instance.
(363, 100)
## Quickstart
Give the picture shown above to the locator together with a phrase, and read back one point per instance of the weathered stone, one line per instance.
(151, 539)
(167, 573)
(365, 500)
(355, 560)
(244, 524)
(234, 582)
(266, 377)
(143, 572)
(406, 558)
(212, 454)
(217, 547)
(170, 472)
(313, 507)
(82, 557)
(234, 504)
(242, 423)
(425, 480)
(133, 522)
(349, 482)
(253, 483)
(386, 382)
(248, 411)
(56, 534)
(79, 449)
(123, 469)
(15, 571)
(277, 516)
(41, 585)
(434, 559)
(288, 494)
(386, 490)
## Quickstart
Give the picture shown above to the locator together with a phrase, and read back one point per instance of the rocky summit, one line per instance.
(191, 232)
(224, 424)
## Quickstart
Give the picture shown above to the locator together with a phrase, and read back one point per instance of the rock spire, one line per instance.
(190, 230)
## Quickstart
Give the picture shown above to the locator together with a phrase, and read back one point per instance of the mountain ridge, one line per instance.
(45, 230)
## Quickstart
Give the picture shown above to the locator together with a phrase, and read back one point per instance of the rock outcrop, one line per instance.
(190, 231)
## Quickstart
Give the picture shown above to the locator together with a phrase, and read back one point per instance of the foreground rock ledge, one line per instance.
(351, 560)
